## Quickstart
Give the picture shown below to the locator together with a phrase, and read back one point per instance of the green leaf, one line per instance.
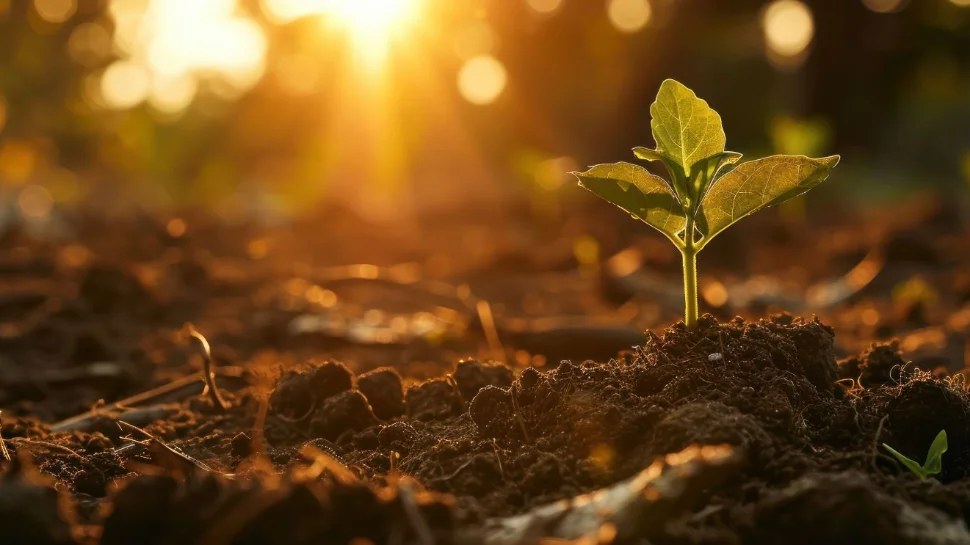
(634, 189)
(678, 180)
(712, 168)
(934, 458)
(684, 126)
(758, 184)
(910, 464)
(648, 154)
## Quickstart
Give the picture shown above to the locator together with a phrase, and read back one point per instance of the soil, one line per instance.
(420, 398)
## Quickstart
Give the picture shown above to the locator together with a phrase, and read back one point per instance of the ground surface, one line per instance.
(407, 387)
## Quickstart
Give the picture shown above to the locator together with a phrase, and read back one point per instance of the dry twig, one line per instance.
(202, 345)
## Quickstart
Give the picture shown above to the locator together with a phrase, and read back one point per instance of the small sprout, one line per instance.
(934, 458)
(707, 189)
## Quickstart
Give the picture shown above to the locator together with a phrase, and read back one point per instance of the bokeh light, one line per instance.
(885, 6)
(172, 95)
(475, 38)
(788, 30)
(89, 44)
(55, 11)
(125, 84)
(285, 11)
(544, 6)
(551, 174)
(176, 227)
(371, 25)
(482, 79)
(629, 15)
(35, 201)
(177, 39)
(961, 3)
(18, 160)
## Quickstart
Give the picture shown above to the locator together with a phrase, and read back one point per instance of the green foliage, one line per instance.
(706, 190)
(934, 458)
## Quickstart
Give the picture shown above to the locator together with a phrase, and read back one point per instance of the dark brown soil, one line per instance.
(384, 427)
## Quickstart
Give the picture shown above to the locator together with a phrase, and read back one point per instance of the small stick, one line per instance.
(197, 463)
(720, 339)
(498, 458)
(44, 444)
(875, 442)
(460, 468)
(3, 445)
(450, 379)
(425, 537)
(207, 374)
(491, 332)
(518, 414)
(325, 459)
(259, 427)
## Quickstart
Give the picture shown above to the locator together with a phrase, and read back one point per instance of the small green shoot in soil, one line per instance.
(934, 458)
(707, 191)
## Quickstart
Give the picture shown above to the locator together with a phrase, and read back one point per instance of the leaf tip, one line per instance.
(671, 82)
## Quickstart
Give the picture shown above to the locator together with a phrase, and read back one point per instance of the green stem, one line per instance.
(690, 287)
(689, 253)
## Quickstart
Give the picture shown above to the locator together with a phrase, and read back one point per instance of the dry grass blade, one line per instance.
(174, 391)
(518, 414)
(491, 332)
(44, 444)
(207, 373)
(3, 445)
(323, 461)
(178, 453)
(410, 505)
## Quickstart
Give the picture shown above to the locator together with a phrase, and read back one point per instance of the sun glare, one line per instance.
(371, 25)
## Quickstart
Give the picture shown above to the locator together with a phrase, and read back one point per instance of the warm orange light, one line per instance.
(482, 79)
(35, 202)
(788, 27)
(545, 6)
(370, 24)
(884, 6)
(373, 24)
(177, 44)
(55, 11)
(629, 16)
(125, 84)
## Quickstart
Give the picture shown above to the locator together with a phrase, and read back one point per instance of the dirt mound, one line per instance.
(493, 444)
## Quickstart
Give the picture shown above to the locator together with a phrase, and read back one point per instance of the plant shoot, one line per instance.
(934, 458)
(706, 190)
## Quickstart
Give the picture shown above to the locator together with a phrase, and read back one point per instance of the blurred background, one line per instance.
(385, 182)
(273, 108)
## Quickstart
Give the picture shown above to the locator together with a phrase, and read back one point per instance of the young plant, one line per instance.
(706, 190)
(934, 458)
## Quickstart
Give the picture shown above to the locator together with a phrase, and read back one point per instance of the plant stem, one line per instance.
(689, 253)
(690, 287)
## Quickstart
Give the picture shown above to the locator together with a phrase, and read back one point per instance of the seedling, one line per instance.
(934, 458)
(706, 191)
